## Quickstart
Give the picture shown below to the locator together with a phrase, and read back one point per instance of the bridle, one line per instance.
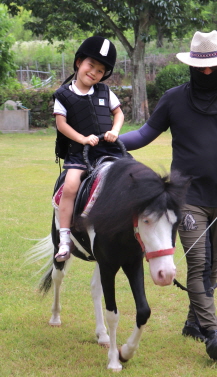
(152, 254)
(160, 253)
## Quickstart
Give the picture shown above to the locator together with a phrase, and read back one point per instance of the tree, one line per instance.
(191, 17)
(210, 15)
(110, 18)
(17, 26)
(7, 66)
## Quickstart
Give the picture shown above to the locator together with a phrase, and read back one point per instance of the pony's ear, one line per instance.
(132, 177)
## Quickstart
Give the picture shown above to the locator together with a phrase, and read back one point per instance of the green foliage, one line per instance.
(7, 66)
(40, 104)
(113, 19)
(36, 81)
(44, 53)
(210, 15)
(153, 95)
(11, 84)
(17, 25)
(170, 76)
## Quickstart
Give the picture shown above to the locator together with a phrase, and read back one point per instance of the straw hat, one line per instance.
(203, 50)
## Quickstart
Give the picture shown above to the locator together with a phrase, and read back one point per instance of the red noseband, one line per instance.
(151, 254)
(159, 253)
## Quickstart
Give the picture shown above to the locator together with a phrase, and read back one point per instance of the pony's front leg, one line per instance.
(135, 274)
(127, 350)
(108, 273)
(96, 291)
(112, 319)
(57, 277)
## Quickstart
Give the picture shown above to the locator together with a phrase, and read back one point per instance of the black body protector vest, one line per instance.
(88, 114)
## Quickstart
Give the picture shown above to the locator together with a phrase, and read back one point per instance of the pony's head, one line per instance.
(130, 188)
(132, 191)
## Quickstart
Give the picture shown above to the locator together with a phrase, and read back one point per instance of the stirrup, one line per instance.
(63, 257)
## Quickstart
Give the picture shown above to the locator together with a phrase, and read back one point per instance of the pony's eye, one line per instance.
(146, 221)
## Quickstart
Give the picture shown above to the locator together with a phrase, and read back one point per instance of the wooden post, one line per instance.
(21, 75)
(63, 67)
(27, 74)
(36, 64)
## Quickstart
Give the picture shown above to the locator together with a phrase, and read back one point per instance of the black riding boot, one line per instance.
(211, 344)
(193, 330)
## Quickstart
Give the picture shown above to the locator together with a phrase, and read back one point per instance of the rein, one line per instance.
(152, 254)
(209, 290)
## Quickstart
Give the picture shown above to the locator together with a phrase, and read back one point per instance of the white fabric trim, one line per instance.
(105, 48)
(74, 89)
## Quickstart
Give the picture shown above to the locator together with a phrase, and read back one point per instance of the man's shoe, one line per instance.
(211, 345)
(193, 330)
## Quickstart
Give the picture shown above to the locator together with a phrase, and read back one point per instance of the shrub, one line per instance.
(153, 96)
(170, 76)
(40, 104)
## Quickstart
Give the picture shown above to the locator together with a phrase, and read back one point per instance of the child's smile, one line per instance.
(90, 72)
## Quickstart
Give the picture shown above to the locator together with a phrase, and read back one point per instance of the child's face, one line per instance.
(90, 72)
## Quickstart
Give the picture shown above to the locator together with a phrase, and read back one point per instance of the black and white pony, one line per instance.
(133, 212)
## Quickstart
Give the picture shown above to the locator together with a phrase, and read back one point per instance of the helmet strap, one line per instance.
(68, 79)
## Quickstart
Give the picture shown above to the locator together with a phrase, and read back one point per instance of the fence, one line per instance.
(25, 75)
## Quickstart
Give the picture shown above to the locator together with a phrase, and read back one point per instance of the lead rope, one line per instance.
(175, 282)
(197, 240)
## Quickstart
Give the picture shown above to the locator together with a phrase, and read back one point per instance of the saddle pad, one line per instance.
(57, 196)
(96, 188)
(94, 192)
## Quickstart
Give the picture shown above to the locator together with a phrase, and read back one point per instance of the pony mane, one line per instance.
(131, 187)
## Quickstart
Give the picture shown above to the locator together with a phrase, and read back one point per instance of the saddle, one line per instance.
(83, 202)
(88, 185)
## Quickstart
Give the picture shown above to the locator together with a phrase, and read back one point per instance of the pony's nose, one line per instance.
(166, 278)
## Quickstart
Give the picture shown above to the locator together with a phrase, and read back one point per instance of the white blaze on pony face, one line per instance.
(156, 234)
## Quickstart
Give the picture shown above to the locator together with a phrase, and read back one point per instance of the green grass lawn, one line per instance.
(29, 346)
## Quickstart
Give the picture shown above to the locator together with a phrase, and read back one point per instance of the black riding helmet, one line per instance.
(100, 49)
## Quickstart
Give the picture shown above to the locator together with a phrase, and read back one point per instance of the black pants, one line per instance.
(201, 262)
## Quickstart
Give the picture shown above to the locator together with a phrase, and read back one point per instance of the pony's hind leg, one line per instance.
(96, 291)
(57, 278)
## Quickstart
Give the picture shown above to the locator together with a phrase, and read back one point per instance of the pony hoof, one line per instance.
(120, 357)
(103, 340)
(55, 323)
(117, 369)
(104, 345)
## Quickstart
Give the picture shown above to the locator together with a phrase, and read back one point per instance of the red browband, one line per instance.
(151, 254)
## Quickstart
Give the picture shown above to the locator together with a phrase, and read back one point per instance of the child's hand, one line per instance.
(91, 139)
(111, 136)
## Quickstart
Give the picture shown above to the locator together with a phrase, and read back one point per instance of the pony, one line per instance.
(132, 213)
